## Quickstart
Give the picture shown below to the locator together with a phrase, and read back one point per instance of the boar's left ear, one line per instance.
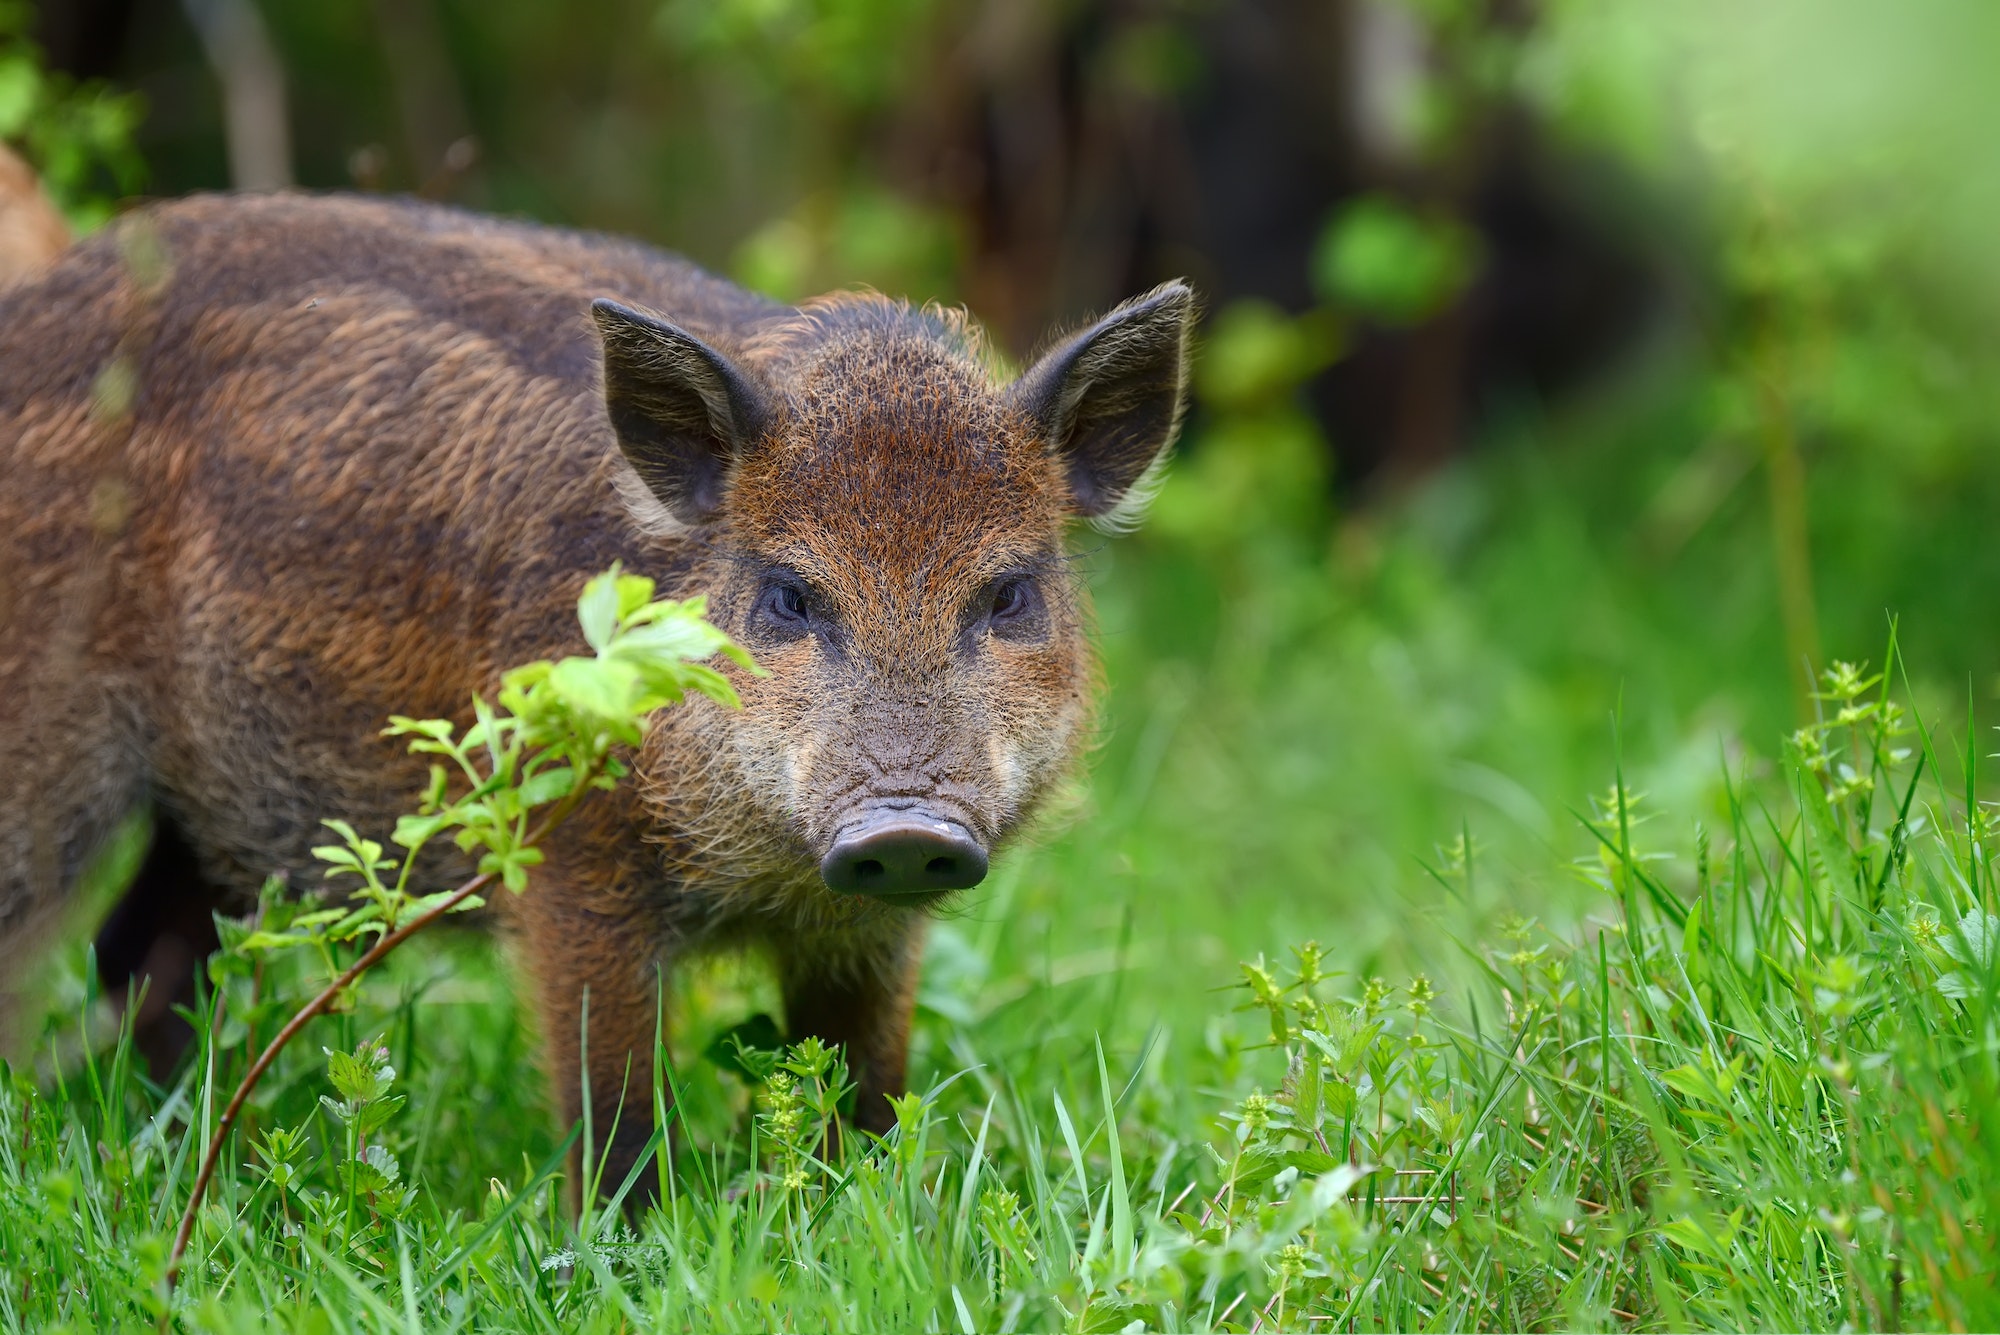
(682, 412)
(1109, 400)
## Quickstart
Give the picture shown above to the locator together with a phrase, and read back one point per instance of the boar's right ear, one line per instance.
(681, 411)
(1108, 401)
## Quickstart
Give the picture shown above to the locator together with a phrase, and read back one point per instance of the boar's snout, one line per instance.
(903, 853)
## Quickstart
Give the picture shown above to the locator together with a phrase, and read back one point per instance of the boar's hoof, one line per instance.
(903, 854)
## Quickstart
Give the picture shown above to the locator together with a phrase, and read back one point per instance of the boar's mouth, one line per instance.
(903, 854)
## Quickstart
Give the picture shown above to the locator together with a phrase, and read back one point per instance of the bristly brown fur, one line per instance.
(279, 466)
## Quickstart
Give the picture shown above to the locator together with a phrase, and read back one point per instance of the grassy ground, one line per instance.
(1719, 1055)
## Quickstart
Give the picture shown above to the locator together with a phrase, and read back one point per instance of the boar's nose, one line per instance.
(892, 853)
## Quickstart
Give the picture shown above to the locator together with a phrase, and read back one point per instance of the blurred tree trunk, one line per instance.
(437, 133)
(257, 124)
(1097, 148)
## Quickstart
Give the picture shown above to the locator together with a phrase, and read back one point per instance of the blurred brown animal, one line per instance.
(281, 465)
(31, 231)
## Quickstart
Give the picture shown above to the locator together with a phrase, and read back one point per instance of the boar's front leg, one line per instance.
(580, 942)
(860, 999)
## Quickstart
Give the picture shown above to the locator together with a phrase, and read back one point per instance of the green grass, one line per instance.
(1722, 1055)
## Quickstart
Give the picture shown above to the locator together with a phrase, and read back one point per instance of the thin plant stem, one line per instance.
(306, 1013)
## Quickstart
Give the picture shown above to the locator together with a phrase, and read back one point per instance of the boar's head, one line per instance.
(885, 532)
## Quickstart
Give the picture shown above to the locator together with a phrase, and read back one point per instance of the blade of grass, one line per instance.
(1122, 1228)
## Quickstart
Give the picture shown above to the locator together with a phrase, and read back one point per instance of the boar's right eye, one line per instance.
(1017, 611)
(784, 608)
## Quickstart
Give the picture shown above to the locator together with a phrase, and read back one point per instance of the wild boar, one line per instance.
(278, 466)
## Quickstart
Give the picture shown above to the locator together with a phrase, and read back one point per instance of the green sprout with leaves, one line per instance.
(554, 734)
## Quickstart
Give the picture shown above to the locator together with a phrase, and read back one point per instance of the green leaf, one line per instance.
(341, 858)
(1704, 1084)
(488, 730)
(1687, 1234)
(415, 831)
(1339, 1098)
(678, 638)
(367, 916)
(425, 903)
(596, 687)
(1974, 942)
(1310, 1162)
(360, 855)
(549, 785)
(634, 593)
(364, 1178)
(512, 866)
(528, 675)
(1348, 1048)
(711, 684)
(376, 1112)
(598, 610)
(437, 729)
(1260, 1165)
(273, 940)
(1710, 1238)
(356, 1078)
(1306, 1100)
(434, 795)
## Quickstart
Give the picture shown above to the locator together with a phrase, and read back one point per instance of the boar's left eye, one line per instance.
(1016, 612)
(784, 608)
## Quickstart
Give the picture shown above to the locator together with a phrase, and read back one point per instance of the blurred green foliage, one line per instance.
(1310, 687)
(1813, 182)
(851, 54)
(1380, 259)
(77, 136)
(866, 237)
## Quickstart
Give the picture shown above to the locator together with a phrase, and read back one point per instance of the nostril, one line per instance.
(868, 869)
(941, 866)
